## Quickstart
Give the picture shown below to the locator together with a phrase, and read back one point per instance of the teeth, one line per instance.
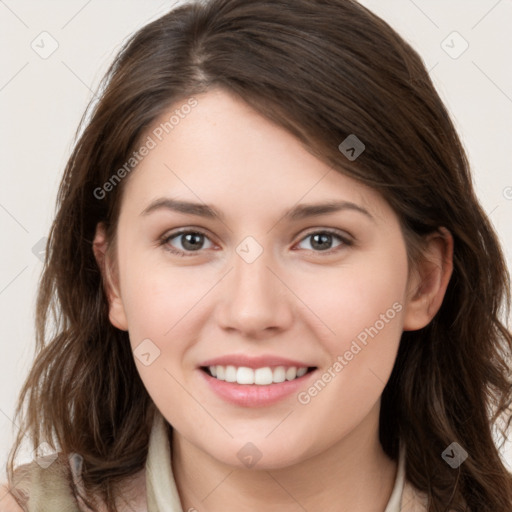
(279, 374)
(260, 376)
(230, 375)
(291, 373)
(263, 376)
(245, 375)
(301, 372)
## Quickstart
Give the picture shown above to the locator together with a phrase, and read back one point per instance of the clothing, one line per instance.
(49, 489)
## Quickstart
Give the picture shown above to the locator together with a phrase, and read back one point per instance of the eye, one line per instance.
(321, 241)
(190, 242)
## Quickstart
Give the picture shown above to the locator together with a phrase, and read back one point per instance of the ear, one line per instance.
(428, 280)
(117, 314)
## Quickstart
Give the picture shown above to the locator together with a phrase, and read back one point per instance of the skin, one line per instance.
(294, 301)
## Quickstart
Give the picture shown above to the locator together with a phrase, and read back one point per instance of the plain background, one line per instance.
(42, 101)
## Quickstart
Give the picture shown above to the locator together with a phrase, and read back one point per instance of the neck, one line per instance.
(353, 474)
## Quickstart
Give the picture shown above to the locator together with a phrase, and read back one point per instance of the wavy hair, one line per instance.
(321, 69)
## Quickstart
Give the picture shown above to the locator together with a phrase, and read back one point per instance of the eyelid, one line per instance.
(181, 231)
(344, 235)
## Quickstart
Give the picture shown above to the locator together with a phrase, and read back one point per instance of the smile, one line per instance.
(260, 376)
(255, 387)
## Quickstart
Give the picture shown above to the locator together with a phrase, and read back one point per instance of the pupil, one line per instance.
(325, 240)
(196, 237)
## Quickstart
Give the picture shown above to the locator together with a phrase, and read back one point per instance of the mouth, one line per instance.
(263, 376)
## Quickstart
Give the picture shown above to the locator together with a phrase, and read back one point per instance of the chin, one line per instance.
(259, 455)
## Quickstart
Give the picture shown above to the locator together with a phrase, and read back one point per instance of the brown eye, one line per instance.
(187, 242)
(322, 241)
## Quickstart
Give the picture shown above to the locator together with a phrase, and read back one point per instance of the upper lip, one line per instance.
(239, 360)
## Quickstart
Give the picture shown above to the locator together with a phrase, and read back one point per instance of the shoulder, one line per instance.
(41, 481)
(38, 484)
(7, 501)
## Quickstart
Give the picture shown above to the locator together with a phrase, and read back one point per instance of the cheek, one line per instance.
(362, 302)
(155, 294)
(358, 297)
(160, 303)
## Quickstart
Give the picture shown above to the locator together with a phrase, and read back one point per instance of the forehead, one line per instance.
(222, 150)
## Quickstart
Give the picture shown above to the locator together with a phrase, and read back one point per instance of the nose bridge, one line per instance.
(253, 279)
(254, 298)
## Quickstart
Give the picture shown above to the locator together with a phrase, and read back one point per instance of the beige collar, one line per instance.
(162, 494)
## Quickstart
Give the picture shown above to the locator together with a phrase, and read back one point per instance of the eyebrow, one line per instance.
(296, 213)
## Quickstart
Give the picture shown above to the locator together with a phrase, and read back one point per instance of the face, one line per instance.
(259, 282)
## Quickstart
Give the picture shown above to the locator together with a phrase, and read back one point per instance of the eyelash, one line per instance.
(164, 241)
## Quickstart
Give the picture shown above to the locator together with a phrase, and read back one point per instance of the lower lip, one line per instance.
(254, 395)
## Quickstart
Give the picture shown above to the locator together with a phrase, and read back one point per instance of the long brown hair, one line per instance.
(322, 69)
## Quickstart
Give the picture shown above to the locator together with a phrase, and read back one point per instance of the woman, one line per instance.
(275, 284)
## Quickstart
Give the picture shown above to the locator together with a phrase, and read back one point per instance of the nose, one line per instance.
(254, 299)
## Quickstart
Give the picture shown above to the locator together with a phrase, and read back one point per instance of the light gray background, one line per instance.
(42, 101)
